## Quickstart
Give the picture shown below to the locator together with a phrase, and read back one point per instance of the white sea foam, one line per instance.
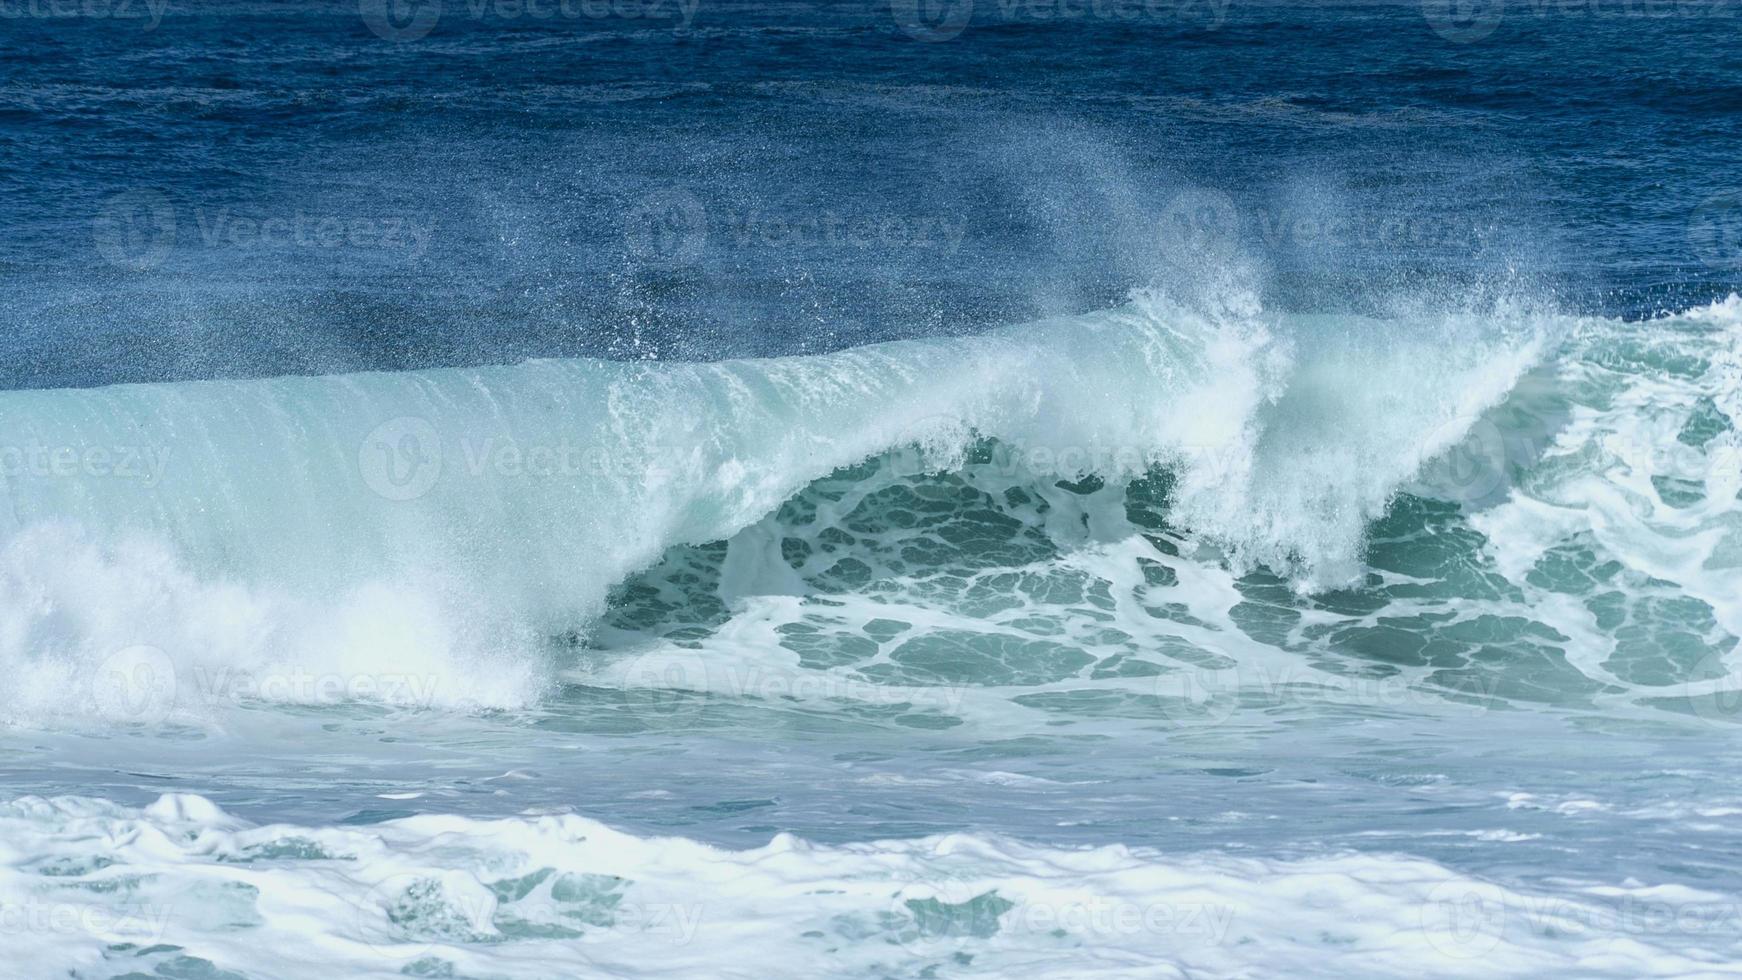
(350, 532)
(183, 888)
(1632, 479)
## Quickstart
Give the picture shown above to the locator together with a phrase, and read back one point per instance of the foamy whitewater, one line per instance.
(1179, 639)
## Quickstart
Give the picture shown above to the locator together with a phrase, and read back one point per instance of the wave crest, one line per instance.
(446, 522)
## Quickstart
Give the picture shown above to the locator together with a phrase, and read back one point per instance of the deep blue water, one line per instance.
(822, 176)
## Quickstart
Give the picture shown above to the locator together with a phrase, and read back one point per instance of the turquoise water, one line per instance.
(897, 491)
(1118, 659)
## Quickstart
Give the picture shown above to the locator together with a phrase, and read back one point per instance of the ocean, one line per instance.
(922, 489)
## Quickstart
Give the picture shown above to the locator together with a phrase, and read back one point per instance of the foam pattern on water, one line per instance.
(987, 588)
(1427, 596)
(443, 525)
(180, 888)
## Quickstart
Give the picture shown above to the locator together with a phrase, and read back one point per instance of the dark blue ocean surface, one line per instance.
(236, 189)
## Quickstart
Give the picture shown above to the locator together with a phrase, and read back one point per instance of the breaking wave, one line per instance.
(468, 526)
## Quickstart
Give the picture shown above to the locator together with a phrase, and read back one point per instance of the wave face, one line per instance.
(1553, 525)
(1473, 577)
(1111, 496)
(452, 522)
